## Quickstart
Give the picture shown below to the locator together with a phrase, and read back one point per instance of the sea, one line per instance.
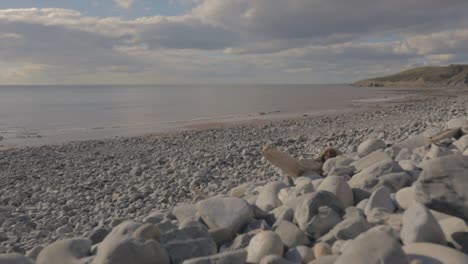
(45, 114)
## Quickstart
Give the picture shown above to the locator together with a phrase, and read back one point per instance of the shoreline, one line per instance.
(64, 136)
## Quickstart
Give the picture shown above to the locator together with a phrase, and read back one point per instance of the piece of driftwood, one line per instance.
(449, 133)
(288, 164)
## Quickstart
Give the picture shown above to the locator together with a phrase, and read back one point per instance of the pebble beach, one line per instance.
(392, 194)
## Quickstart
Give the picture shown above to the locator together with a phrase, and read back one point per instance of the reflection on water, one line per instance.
(59, 110)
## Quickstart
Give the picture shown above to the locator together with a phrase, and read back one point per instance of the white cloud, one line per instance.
(261, 40)
(125, 4)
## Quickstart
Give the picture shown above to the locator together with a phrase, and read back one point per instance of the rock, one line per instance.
(15, 258)
(291, 235)
(303, 186)
(337, 245)
(181, 250)
(413, 142)
(268, 198)
(231, 257)
(155, 217)
(65, 251)
(283, 213)
(349, 228)
(300, 254)
(371, 159)
(311, 175)
(34, 252)
(322, 249)
(330, 259)
(370, 146)
(442, 185)
(369, 177)
(465, 153)
(242, 241)
(380, 198)
(434, 254)
(405, 197)
(147, 232)
(338, 161)
(239, 191)
(437, 152)
(274, 259)
(340, 188)
(362, 204)
(344, 171)
(263, 244)
(457, 123)
(404, 154)
(419, 225)
(185, 212)
(395, 181)
(372, 247)
(456, 232)
(123, 245)
(228, 213)
(97, 235)
(286, 195)
(461, 144)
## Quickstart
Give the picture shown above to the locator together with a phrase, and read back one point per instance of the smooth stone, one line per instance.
(34, 252)
(230, 257)
(283, 213)
(239, 191)
(371, 159)
(340, 188)
(462, 143)
(404, 154)
(147, 232)
(338, 161)
(184, 212)
(268, 197)
(465, 153)
(368, 178)
(419, 225)
(286, 195)
(65, 251)
(370, 146)
(263, 244)
(242, 241)
(380, 198)
(395, 181)
(456, 232)
(308, 208)
(312, 175)
(456, 123)
(442, 185)
(330, 259)
(437, 152)
(229, 213)
(344, 171)
(349, 228)
(429, 253)
(413, 142)
(291, 235)
(405, 197)
(300, 254)
(325, 219)
(97, 235)
(362, 204)
(337, 245)
(372, 247)
(122, 245)
(302, 187)
(15, 258)
(274, 259)
(182, 250)
(155, 217)
(322, 249)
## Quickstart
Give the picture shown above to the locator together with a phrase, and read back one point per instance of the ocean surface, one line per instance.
(54, 114)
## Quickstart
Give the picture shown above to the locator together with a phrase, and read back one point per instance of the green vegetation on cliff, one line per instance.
(452, 75)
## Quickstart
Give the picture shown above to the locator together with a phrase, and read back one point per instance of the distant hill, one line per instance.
(452, 75)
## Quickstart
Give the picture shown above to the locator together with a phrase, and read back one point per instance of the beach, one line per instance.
(65, 190)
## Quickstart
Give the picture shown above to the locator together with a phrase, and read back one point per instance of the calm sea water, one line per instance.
(48, 114)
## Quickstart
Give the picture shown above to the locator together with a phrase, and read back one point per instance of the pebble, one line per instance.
(263, 244)
(419, 225)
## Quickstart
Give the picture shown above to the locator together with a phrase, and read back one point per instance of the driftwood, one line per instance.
(288, 164)
(449, 133)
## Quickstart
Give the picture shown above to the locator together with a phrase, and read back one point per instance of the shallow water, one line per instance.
(51, 114)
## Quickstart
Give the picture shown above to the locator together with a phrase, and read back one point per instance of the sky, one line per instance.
(225, 41)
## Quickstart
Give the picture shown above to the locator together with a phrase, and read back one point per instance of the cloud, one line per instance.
(228, 40)
(125, 4)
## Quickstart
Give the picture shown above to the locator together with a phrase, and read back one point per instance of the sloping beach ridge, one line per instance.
(386, 184)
